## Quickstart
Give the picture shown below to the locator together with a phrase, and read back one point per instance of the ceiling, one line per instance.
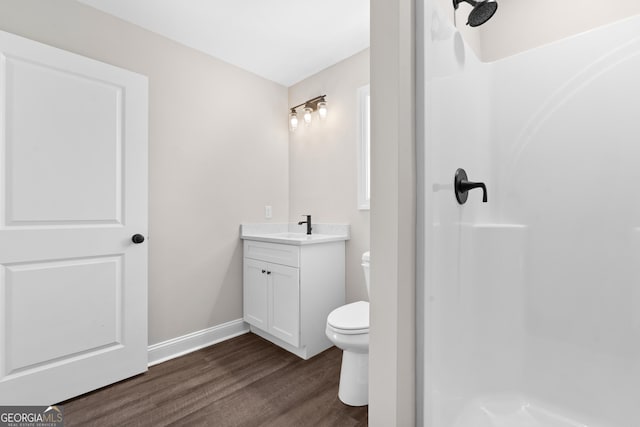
(281, 40)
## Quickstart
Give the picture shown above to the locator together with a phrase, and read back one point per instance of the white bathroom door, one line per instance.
(73, 191)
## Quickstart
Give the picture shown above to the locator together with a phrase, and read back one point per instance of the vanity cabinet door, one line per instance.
(284, 303)
(255, 293)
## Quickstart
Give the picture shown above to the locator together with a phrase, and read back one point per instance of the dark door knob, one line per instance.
(137, 238)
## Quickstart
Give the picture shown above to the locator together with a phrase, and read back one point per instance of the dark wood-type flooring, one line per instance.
(245, 381)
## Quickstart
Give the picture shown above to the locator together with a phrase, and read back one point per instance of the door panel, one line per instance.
(38, 287)
(255, 293)
(284, 321)
(73, 190)
(87, 150)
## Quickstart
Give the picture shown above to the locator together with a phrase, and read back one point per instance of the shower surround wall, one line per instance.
(532, 302)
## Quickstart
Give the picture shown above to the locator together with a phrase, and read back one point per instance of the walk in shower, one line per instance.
(532, 300)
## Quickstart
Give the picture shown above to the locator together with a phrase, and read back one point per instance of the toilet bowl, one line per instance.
(348, 329)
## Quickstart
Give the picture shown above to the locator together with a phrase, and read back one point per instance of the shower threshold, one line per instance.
(514, 411)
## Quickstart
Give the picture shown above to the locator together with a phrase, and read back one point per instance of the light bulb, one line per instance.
(322, 109)
(293, 120)
(307, 116)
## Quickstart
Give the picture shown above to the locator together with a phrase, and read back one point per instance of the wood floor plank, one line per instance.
(245, 381)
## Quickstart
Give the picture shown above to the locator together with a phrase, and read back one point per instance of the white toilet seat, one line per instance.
(348, 331)
(350, 319)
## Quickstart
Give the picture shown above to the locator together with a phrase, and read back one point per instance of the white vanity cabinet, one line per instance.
(290, 289)
(272, 299)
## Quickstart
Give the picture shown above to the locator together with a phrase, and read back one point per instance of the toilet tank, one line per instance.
(365, 267)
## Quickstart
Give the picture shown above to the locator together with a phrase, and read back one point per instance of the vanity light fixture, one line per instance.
(318, 103)
(322, 109)
(307, 115)
(293, 120)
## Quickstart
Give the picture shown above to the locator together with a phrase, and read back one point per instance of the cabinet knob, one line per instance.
(268, 272)
(264, 271)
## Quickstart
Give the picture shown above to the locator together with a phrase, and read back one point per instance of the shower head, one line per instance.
(481, 13)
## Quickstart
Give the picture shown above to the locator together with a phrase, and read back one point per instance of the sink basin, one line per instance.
(293, 235)
(301, 236)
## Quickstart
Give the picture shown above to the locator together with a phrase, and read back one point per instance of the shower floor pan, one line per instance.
(514, 411)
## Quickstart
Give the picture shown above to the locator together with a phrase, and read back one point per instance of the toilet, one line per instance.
(348, 329)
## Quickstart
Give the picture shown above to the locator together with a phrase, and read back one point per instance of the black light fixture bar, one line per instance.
(311, 103)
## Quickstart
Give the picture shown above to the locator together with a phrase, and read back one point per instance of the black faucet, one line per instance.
(308, 222)
(462, 185)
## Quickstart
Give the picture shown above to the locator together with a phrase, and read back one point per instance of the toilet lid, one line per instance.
(352, 316)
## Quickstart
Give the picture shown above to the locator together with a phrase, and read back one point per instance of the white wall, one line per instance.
(323, 161)
(520, 25)
(393, 215)
(218, 149)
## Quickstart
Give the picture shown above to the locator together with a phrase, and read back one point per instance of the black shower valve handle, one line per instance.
(462, 185)
(468, 185)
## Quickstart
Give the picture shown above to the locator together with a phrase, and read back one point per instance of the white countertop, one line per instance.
(294, 234)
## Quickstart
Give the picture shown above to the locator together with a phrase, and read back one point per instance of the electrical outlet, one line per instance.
(268, 212)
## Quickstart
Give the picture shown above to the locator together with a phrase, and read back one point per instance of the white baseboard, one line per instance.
(179, 346)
